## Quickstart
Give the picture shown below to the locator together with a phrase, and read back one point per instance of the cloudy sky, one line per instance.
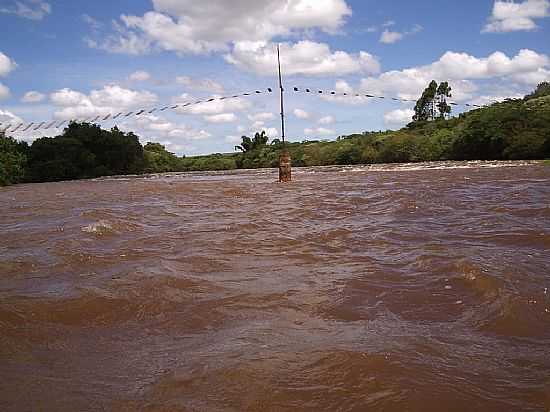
(67, 59)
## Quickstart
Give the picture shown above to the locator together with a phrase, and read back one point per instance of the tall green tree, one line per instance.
(424, 109)
(443, 92)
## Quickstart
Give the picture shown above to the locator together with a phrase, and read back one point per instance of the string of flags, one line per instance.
(373, 96)
(56, 124)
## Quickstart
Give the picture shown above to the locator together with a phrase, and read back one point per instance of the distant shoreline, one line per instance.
(380, 167)
(511, 130)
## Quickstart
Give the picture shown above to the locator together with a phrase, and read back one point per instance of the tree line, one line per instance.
(517, 129)
(513, 129)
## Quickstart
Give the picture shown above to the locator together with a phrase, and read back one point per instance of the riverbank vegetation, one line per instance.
(516, 129)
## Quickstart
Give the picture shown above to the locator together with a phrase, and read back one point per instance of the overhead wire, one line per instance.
(23, 127)
(56, 124)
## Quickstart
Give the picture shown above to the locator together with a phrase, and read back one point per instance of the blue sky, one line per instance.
(72, 59)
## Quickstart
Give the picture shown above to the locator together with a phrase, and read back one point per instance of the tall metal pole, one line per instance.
(285, 162)
(282, 94)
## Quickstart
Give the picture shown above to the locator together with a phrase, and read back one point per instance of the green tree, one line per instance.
(260, 139)
(83, 151)
(443, 92)
(424, 108)
(13, 159)
(159, 160)
(250, 145)
(543, 89)
(246, 144)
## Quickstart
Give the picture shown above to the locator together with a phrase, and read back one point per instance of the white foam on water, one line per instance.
(99, 228)
(410, 167)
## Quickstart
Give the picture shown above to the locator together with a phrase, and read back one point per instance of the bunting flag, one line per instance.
(28, 127)
(20, 124)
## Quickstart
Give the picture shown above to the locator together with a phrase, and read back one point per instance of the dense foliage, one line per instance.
(159, 160)
(13, 160)
(514, 129)
(542, 90)
(84, 151)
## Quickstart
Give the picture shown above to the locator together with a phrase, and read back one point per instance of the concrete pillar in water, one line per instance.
(285, 167)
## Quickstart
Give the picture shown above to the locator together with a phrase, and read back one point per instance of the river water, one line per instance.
(387, 288)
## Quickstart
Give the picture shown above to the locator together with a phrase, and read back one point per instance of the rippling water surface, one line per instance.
(389, 288)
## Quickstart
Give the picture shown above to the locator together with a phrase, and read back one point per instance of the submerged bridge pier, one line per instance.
(285, 167)
(285, 162)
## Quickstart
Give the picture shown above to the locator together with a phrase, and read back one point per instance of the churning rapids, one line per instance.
(386, 288)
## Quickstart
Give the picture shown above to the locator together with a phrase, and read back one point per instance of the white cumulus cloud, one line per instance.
(6, 65)
(510, 16)
(8, 118)
(244, 32)
(221, 118)
(319, 131)
(214, 107)
(305, 57)
(341, 87)
(390, 37)
(460, 69)
(271, 132)
(159, 128)
(139, 76)
(4, 92)
(189, 133)
(264, 116)
(121, 41)
(301, 114)
(33, 97)
(92, 22)
(109, 99)
(205, 85)
(326, 120)
(176, 137)
(398, 118)
(29, 9)
(257, 125)
(489, 99)
(233, 139)
(188, 26)
(532, 78)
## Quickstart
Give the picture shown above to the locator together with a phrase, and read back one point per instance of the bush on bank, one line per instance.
(13, 160)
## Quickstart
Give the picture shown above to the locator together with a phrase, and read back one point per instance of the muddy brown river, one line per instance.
(386, 288)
